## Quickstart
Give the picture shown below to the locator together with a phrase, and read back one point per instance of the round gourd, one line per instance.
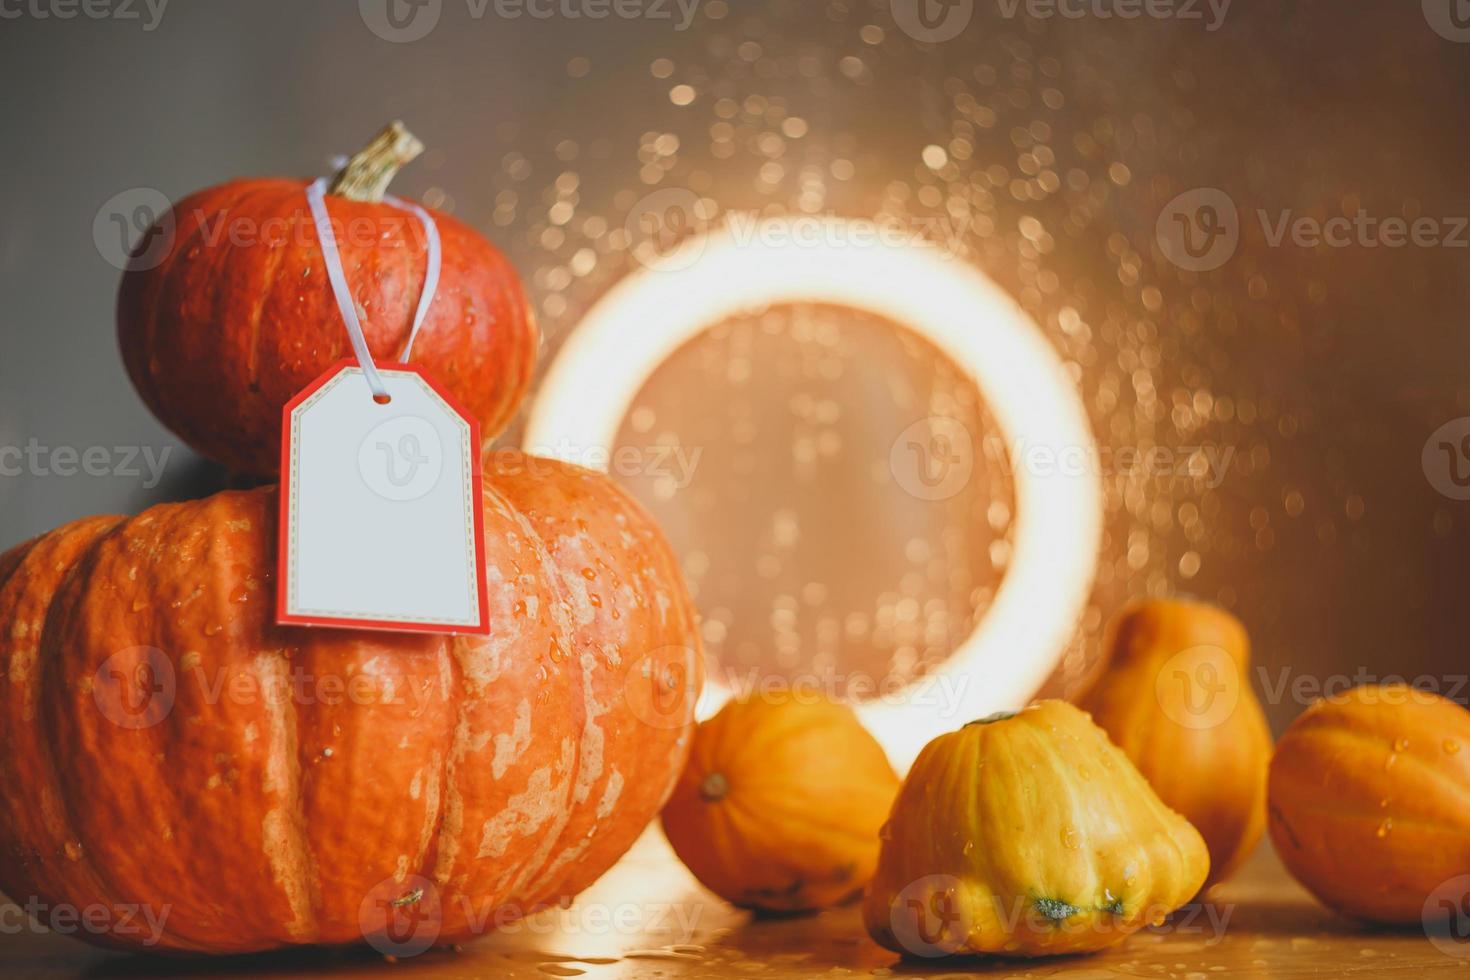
(1175, 696)
(167, 745)
(225, 311)
(780, 804)
(1370, 801)
(1028, 834)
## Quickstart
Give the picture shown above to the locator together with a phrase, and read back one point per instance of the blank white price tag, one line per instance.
(381, 523)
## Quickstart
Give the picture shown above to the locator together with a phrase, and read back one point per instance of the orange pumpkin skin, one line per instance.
(1176, 697)
(269, 807)
(238, 315)
(780, 805)
(1370, 800)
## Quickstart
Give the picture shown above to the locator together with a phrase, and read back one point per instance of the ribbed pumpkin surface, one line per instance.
(1370, 800)
(263, 811)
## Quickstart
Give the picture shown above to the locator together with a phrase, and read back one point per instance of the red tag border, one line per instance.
(285, 618)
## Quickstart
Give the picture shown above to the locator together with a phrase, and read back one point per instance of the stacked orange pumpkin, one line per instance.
(236, 316)
(168, 745)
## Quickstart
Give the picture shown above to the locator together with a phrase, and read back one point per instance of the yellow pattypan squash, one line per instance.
(1028, 834)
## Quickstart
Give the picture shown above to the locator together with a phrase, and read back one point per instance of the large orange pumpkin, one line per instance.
(167, 745)
(225, 312)
(1370, 802)
(1176, 697)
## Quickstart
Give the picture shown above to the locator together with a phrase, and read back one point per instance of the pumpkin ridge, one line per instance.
(792, 816)
(538, 865)
(285, 843)
(171, 271)
(263, 296)
(41, 550)
(149, 330)
(1077, 806)
(1341, 814)
(295, 867)
(177, 259)
(429, 859)
(61, 605)
(1330, 734)
(57, 607)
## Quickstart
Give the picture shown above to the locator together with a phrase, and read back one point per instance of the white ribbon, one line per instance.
(316, 200)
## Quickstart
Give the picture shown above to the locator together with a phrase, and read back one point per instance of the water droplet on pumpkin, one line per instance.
(1451, 746)
(1383, 803)
(1388, 763)
(139, 605)
(1401, 745)
(1385, 827)
(969, 846)
(73, 850)
(213, 629)
(594, 599)
(1072, 838)
(588, 574)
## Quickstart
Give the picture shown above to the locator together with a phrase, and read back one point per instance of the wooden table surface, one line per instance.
(648, 918)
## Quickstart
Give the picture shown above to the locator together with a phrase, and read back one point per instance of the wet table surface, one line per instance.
(648, 918)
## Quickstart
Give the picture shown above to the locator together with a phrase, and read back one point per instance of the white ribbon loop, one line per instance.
(316, 201)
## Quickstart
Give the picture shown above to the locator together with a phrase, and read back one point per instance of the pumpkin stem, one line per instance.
(714, 788)
(367, 174)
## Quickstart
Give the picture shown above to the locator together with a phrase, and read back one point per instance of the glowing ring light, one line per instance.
(646, 317)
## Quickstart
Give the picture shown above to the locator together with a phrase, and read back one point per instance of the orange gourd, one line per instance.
(1370, 802)
(225, 311)
(1028, 834)
(780, 804)
(1175, 696)
(167, 745)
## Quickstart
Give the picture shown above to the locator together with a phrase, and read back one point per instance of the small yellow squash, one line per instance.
(1028, 834)
(780, 804)
(1176, 697)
